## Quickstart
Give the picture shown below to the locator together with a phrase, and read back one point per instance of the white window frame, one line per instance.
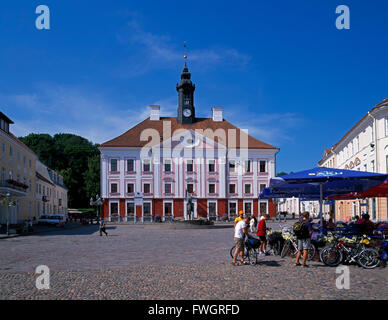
(126, 210)
(236, 203)
(248, 201)
(142, 210)
(118, 208)
(208, 213)
(172, 209)
(266, 207)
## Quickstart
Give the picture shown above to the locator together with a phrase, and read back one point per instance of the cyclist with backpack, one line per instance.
(303, 231)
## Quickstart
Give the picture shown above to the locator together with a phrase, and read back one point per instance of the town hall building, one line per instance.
(151, 171)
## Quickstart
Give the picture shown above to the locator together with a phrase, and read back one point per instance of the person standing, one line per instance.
(240, 232)
(304, 239)
(262, 234)
(239, 218)
(102, 227)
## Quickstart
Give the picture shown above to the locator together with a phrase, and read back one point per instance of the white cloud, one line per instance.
(153, 51)
(60, 109)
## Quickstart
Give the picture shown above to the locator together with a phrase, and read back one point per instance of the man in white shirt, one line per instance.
(240, 231)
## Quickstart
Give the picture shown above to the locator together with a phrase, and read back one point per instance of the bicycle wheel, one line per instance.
(276, 248)
(285, 249)
(311, 252)
(233, 249)
(369, 258)
(252, 256)
(331, 256)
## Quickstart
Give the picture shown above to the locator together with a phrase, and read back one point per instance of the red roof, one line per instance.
(131, 138)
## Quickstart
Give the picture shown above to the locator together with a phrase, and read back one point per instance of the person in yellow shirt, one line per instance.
(239, 218)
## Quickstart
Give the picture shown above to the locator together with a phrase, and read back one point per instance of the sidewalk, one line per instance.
(42, 229)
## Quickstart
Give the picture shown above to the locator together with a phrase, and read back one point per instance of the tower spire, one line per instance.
(185, 88)
(184, 52)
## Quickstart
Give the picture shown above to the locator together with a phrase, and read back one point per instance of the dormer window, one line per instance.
(5, 122)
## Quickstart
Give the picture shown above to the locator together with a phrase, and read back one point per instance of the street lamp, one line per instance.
(8, 195)
(97, 203)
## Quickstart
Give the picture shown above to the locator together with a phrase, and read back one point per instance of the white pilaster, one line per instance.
(122, 180)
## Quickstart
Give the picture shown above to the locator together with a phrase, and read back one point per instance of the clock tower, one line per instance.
(185, 88)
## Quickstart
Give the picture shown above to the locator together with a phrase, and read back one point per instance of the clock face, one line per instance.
(187, 112)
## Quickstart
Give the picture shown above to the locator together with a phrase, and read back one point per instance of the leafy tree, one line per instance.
(92, 177)
(281, 174)
(72, 156)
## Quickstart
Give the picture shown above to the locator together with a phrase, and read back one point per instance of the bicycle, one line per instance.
(250, 251)
(340, 251)
(291, 245)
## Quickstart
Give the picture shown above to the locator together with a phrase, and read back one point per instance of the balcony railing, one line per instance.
(13, 184)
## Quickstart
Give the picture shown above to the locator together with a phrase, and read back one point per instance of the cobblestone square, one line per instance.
(136, 262)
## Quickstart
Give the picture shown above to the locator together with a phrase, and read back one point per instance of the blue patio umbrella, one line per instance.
(334, 181)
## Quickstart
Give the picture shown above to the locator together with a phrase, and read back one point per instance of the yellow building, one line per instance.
(17, 167)
(51, 193)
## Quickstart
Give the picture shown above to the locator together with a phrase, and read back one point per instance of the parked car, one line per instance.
(52, 219)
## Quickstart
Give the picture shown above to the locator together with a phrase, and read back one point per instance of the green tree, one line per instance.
(92, 177)
(69, 155)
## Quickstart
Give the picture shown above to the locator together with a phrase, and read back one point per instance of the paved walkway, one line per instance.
(134, 262)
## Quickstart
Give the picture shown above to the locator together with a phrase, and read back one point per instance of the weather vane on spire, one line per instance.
(185, 54)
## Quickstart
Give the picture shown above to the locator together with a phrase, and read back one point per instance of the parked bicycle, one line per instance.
(292, 247)
(340, 251)
(251, 253)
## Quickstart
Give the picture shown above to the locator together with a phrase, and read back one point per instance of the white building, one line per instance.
(364, 147)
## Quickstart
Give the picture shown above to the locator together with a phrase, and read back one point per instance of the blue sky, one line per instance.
(281, 69)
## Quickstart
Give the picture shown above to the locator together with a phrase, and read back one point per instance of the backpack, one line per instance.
(301, 230)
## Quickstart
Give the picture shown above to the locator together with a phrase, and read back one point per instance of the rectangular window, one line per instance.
(113, 165)
(247, 166)
(167, 209)
(130, 165)
(212, 188)
(372, 166)
(146, 188)
(248, 208)
(130, 209)
(10, 151)
(263, 208)
(212, 210)
(167, 188)
(114, 209)
(190, 188)
(232, 209)
(130, 188)
(3, 147)
(263, 166)
(24, 159)
(189, 166)
(113, 188)
(247, 188)
(147, 209)
(167, 165)
(146, 166)
(30, 163)
(232, 166)
(262, 187)
(232, 188)
(211, 166)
